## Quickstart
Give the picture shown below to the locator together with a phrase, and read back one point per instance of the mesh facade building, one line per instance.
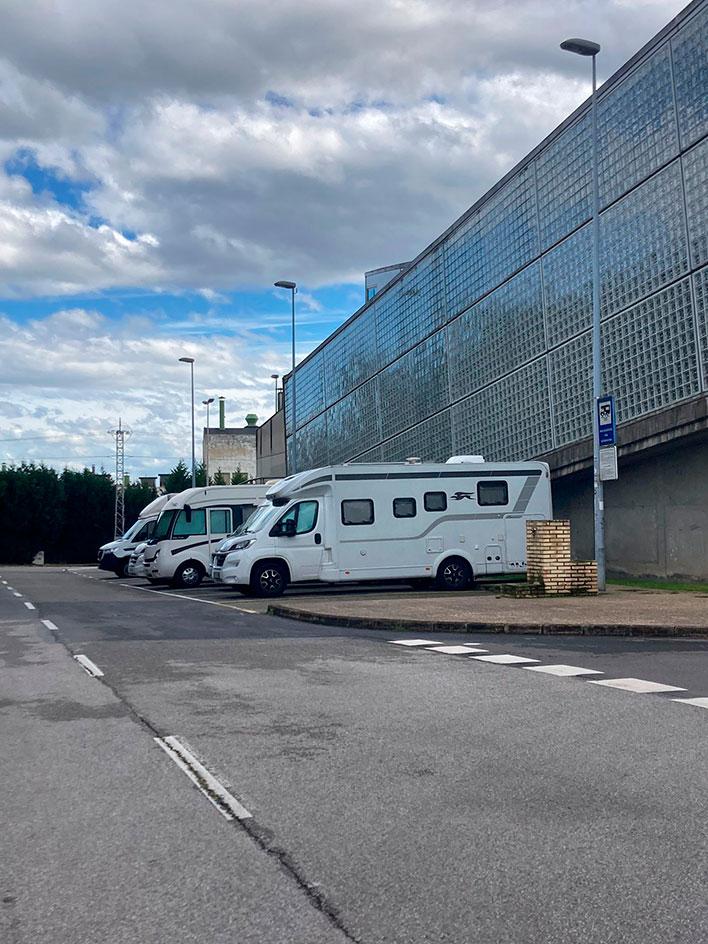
(483, 344)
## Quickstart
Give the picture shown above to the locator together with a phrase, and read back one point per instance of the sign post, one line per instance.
(607, 432)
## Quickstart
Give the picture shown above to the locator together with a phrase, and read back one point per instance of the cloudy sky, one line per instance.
(163, 162)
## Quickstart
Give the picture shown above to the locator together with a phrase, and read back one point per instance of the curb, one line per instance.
(450, 626)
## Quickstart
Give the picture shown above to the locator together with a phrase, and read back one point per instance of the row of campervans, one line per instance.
(408, 521)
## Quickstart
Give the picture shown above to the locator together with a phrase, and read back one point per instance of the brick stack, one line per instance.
(549, 569)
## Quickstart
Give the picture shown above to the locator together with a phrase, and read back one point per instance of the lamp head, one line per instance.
(582, 47)
(274, 376)
(207, 402)
(282, 284)
(187, 360)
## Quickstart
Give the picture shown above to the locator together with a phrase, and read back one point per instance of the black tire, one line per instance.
(268, 580)
(454, 574)
(188, 575)
(122, 569)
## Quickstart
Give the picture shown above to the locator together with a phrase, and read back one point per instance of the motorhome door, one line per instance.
(298, 537)
(220, 524)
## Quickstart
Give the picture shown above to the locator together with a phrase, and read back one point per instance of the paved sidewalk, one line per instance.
(620, 611)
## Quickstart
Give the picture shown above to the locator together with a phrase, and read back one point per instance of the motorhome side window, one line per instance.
(435, 501)
(219, 520)
(304, 514)
(144, 533)
(492, 493)
(357, 511)
(404, 508)
(190, 521)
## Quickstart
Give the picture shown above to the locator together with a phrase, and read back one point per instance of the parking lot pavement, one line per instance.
(423, 795)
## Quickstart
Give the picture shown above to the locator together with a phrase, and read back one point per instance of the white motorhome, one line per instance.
(410, 521)
(191, 525)
(115, 555)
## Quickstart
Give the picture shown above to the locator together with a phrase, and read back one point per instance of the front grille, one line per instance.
(219, 560)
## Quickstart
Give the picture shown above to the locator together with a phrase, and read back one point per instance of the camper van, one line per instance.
(412, 521)
(190, 526)
(115, 555)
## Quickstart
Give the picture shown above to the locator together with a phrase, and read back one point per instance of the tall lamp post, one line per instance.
(585, 47)
(293, 288)
(206, 442)
(275, 378)
(190, 361)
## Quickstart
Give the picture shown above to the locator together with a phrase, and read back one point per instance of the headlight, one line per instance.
(157, 554)
(242, 545)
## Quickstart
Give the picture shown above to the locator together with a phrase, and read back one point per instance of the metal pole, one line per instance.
(194, 470)
(294, 463)
(598, 491)
(206, 457)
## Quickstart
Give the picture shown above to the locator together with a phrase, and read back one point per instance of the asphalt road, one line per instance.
(397, 794)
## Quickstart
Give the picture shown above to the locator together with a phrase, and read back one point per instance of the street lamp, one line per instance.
(275, 378)
(206, 443)
(190, 361)
(293, 288)
(585, 47)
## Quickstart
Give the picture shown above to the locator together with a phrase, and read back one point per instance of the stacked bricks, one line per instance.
(549, 569)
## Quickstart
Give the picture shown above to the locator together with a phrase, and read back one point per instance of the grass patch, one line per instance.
(649, 583)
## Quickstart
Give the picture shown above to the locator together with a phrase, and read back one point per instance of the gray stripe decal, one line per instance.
(413, 537)
(522, 502)
(378, 476)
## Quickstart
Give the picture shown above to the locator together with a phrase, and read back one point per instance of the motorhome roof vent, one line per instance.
(413, 460)
(455, 459)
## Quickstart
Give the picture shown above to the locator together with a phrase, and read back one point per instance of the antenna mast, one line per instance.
(119, 519)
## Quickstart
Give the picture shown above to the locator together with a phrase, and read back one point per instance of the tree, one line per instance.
(179, 478)
(218, 478)
(238, 477)
(136, 497)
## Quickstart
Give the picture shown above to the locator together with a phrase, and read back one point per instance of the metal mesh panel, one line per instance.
(373, 455)
(695, 173)
(412, 309)
(564, 182)
(352, 356)
(312, 448)
(507, 420)
(636, 126)
(691, 78)
(309, 398)
(353, 424)
(497, 240)
(571, 389)
(649, 353)
(414, 386)
(431, 441)
(700, 288)
(643, 241)
(497, 334)
(567, 286)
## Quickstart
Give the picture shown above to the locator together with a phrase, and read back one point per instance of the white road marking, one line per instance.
(30, 606)
(698, 702)
(182, 596)
(505, 659)
(563, 671)
(11, 589)
(455, 650)
(89, 666)
(213, 789)
(16, 594)
(640, 686)
(50, 625)
(414, 642)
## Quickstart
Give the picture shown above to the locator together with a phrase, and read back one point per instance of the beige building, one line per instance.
(230, 449)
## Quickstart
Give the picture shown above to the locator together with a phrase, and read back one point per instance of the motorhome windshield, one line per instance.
(164, 523)
(257, 520)
(133, 530)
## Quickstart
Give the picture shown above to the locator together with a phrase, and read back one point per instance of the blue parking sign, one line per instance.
(606, 420)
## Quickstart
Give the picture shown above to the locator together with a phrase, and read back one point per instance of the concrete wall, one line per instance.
(231, 450)
(270, 448)
(656, 513)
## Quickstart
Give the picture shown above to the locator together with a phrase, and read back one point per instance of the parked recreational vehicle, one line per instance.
(115, 555)
(389, 521)
(191, 525)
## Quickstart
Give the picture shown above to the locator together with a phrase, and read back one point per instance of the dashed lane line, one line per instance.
(16, 594)
(206, 782)
(414, 642)
(89, 666)
(698, 702)
(50, 625)
(505, 659)
(562, 671)
(639, 686)
(30, 606)
(456, 650)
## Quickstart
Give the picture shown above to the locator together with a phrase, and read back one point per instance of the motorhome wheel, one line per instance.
(268, 580)
(122, 568)
(454, 574)
(190, 574)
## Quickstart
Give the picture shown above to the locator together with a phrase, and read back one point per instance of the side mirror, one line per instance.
(287, 528)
